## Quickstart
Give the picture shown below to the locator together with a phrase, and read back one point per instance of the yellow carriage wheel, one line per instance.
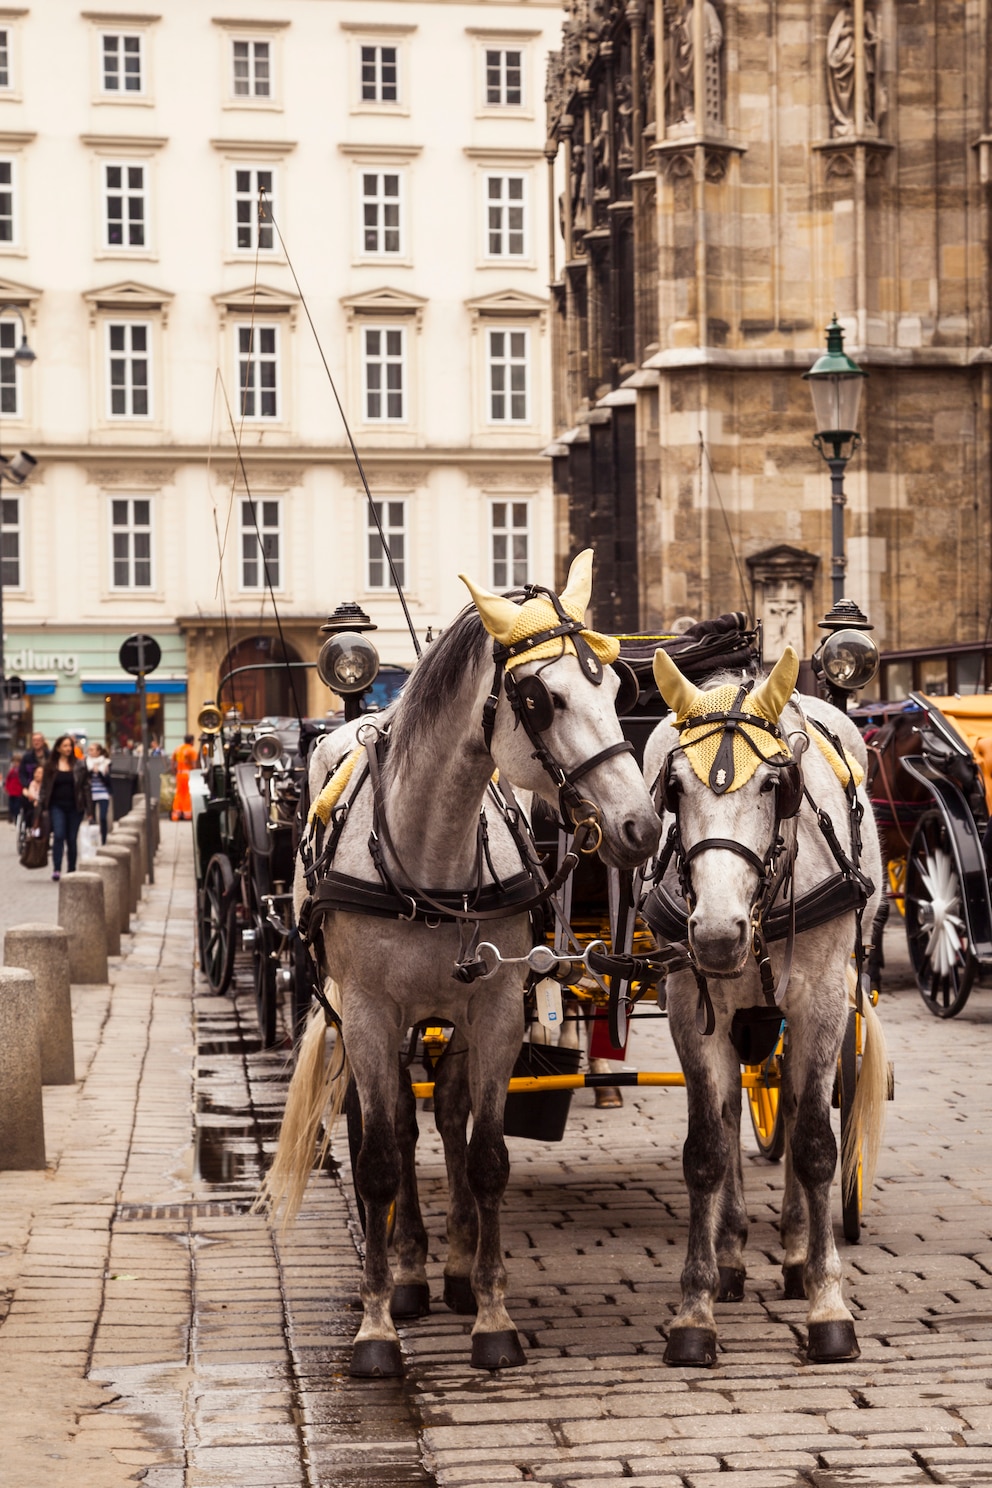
(896, 869)
(764, 1104)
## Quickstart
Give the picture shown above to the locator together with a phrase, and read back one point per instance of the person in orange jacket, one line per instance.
(183, 760)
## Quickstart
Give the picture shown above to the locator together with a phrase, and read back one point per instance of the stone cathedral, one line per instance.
(729, 175)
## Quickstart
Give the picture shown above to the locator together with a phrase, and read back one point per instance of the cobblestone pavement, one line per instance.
(153, 1330)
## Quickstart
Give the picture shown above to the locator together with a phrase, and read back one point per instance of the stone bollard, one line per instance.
(110, 871)
(22, 1118)
(137, 829)
(43, 950)
(120, 854)
(83, 918)
(124, 837)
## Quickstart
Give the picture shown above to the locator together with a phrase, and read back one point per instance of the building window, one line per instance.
(253, 207)
(258, 352)
(509, 358)
(392, 518)
(4, 58)
(380, 76)
(125, 206)
(128, 345)
(252, 62)
(506, 217)
(131, 542)
(260, 542)
(7, 219)
(10, 542)
(10, 383)
(504, 77)
(122, 63)
(510, 544)
(384, 374)
(381, 230)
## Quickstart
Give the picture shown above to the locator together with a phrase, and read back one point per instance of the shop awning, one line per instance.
(105, 686)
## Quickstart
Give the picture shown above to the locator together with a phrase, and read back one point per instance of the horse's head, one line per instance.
(731, 781)
(560, 736)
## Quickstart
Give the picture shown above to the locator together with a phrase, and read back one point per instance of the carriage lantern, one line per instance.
(848, 658)
(348, 663)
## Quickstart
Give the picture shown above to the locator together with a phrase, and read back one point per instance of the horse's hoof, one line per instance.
(832, 1343)
(608, 1097)
(691, 1348)
(497, 1350)
(793, 1286)
(376, 1358)
(412, 1299)
(731, 1284)
(459, 1296)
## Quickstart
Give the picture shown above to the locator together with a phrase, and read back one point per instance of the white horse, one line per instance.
(745, 848)
(425, 857)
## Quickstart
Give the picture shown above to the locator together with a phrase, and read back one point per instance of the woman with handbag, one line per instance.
(66, 796)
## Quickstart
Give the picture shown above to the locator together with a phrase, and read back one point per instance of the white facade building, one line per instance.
(397, 150)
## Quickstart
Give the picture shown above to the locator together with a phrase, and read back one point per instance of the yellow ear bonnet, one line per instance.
(510, 623)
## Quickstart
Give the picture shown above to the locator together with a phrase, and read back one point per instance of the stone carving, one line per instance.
(680, 70)
(841, 74)
(554, 91)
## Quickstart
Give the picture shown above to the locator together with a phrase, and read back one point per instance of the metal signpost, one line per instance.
(139, 655)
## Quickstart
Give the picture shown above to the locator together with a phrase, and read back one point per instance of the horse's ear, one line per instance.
(499, 615)
(679, 693)
(577, 592)
(771, 695)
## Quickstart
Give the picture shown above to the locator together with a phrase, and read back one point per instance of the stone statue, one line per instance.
(841, 59)
(681, 71)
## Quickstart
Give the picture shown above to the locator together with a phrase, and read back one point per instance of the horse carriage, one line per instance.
(752, 940)
(930, 781)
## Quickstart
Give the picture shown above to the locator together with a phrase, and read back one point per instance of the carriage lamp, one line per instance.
(835, 383)
(348, 663)
(848, 658)
(209, 719)
(266, 749)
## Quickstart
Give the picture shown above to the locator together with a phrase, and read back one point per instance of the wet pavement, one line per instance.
(153, 1330)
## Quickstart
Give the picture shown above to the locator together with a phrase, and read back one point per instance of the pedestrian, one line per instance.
(65, 795)
(155, 750)
(183, 760)
(32, 791)
(14, 786)
(98, 766)
(31, 758)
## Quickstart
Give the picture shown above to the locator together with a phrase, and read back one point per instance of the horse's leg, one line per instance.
(712, 1077)
(732, 1227)
(374, 1057)
(816, 1031)
(794, 1223)
(495, 1040)
(411, 1294)
(451, 1111)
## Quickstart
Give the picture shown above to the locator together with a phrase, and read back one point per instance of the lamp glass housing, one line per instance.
(836, 401)
(849, 659)
(348, 663)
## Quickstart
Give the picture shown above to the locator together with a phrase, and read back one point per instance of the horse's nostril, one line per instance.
(641, 833)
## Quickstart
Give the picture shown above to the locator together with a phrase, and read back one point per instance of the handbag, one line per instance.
(34, 853)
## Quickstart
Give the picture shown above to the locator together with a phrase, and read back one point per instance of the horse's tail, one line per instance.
(864, 1131)
(316, 1095)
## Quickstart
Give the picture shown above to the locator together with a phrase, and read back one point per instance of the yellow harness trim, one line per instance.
(843, 766)
(701, 743)
(331, 794)
(539, 614)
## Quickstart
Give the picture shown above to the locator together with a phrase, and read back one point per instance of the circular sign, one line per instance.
(139, 654)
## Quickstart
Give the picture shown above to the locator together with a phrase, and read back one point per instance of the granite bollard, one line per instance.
(83, 918)
(110, 871)
(43, 950)
(132, 828)
(122, 837)
(120, 854)
(22, 1117)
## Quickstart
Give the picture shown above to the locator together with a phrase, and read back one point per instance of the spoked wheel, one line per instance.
(265, 983)
(765, 1105)
(936, 933)
(216, 923)
(847, 1079)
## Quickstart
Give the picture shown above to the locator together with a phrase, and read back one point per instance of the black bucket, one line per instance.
(541, 1114)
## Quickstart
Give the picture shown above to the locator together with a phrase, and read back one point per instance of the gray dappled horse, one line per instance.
(425, 853)
(742, 775)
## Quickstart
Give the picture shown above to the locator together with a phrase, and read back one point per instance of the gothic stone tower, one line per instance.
(737, 171)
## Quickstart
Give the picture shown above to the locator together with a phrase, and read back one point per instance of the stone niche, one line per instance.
(782, 584)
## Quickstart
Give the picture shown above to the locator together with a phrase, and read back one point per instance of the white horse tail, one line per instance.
(316, 1095)
(864, 1130)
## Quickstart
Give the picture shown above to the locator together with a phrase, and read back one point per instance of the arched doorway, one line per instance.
(268, 691)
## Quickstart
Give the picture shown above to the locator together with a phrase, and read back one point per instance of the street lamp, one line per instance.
(348, 664)
(14, 469)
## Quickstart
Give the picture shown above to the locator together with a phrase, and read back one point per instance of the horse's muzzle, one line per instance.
(720, 947)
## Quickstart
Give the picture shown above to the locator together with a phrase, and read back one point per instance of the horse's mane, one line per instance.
(435, 680)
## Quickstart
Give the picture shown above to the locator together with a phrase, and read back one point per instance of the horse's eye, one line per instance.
(769, 784)
(559, 702)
